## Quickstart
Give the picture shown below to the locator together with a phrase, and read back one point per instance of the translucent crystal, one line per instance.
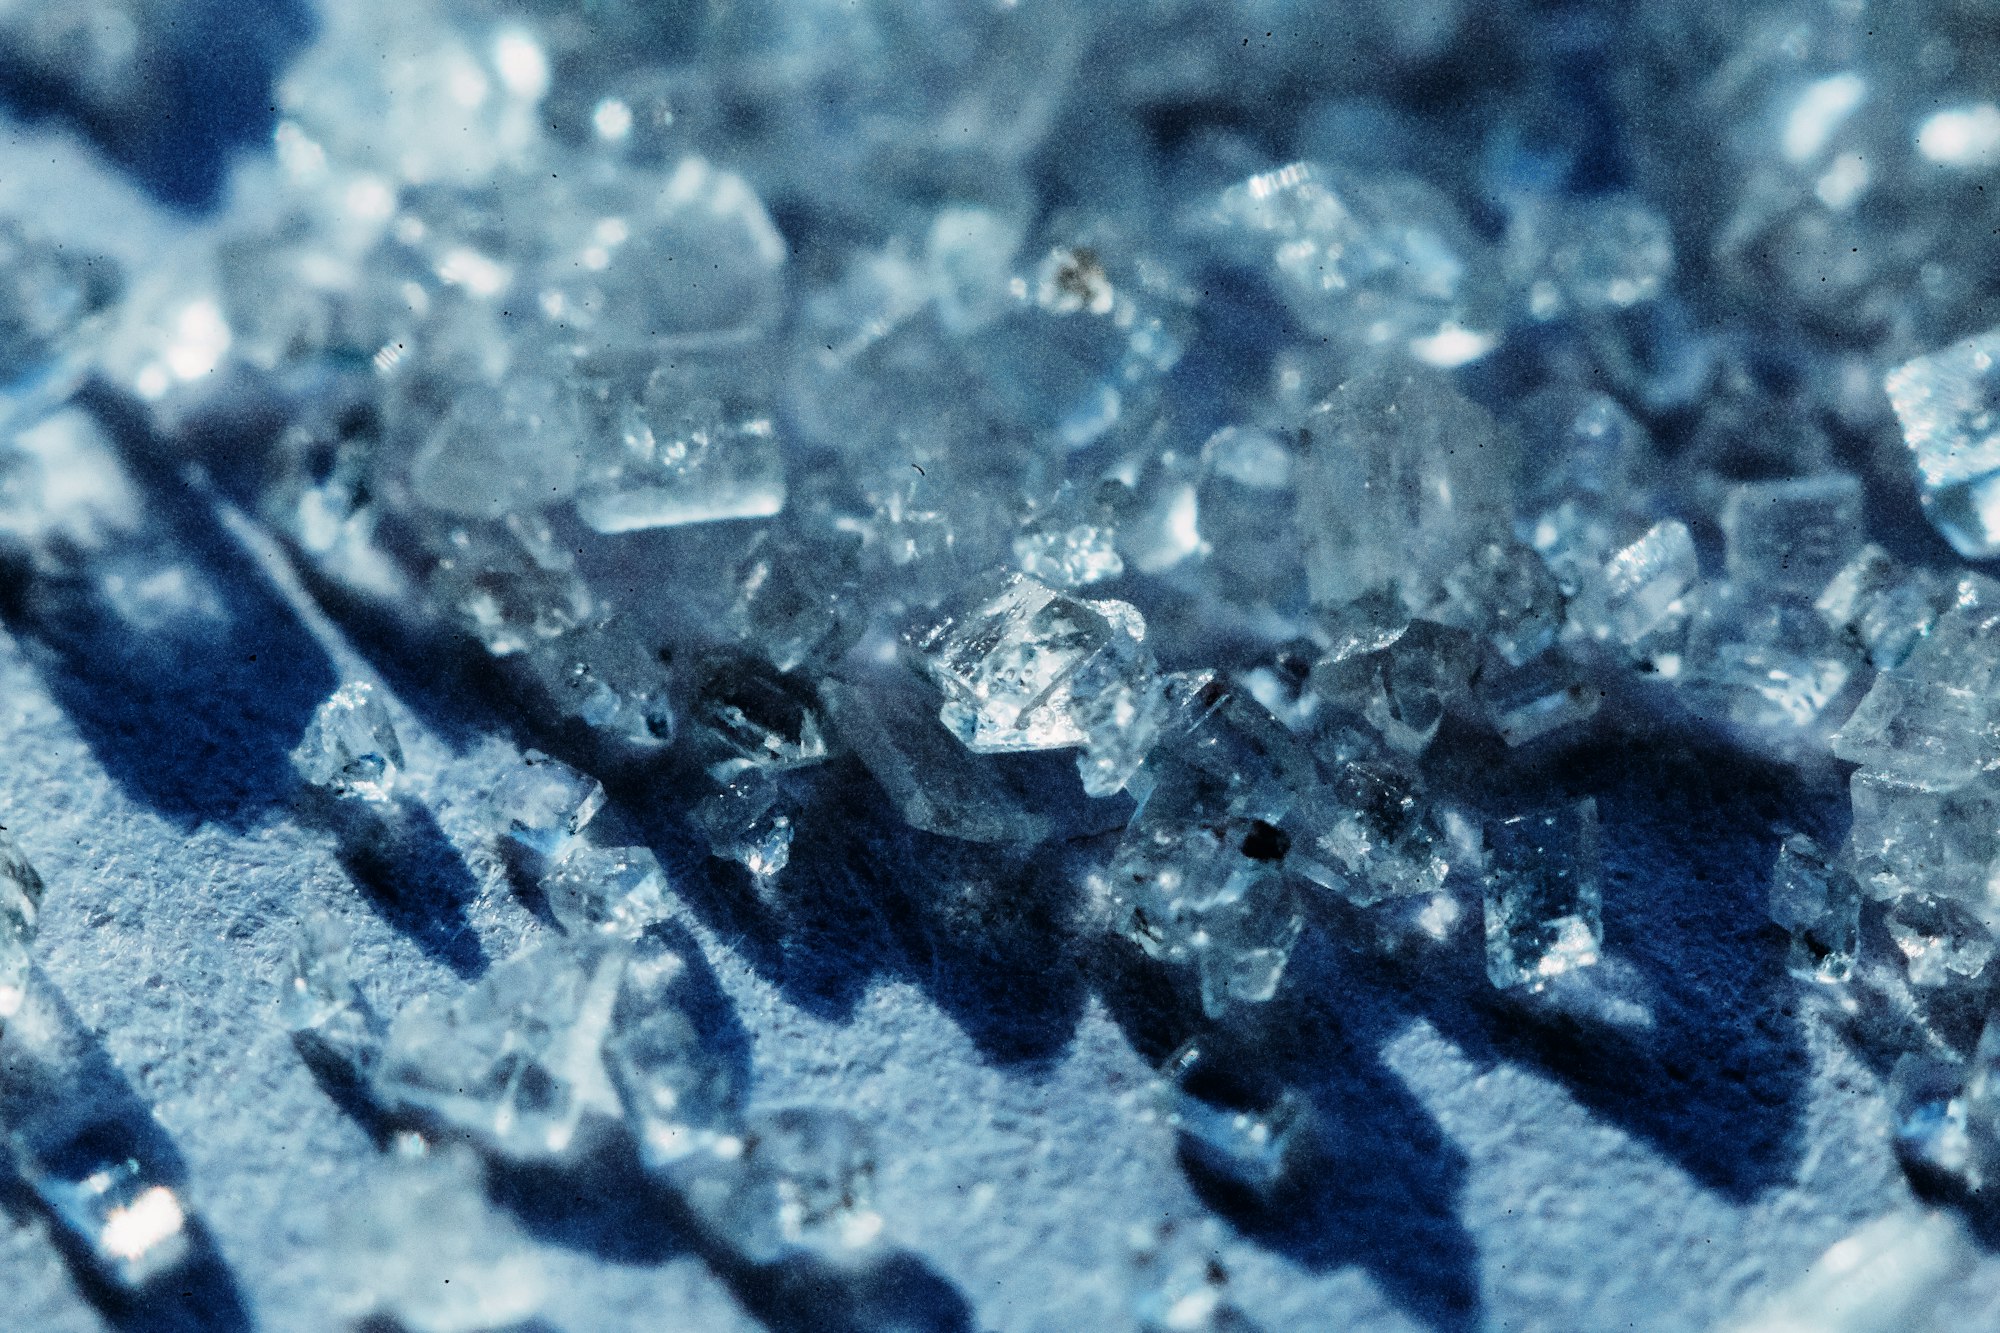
(1879, 606)
(613, 890)
(423, 1247)
(1257, 1147)
(498, 445)
(1912, 840)
(20, 913)
(1505, 593)
(120, 1210)
(1006, 654)
(350, 746)
(1406, 689)
(1532, 700)
(1590, 253)
(1918, 732)
(543, 803)
(1941, 941)
(1242, 505)
(1368, 835)
(1947, 403)
(606, 675)
(927, 774)
(679, 1097)
(48, 292)
(1819, 905)
(1637, 586)
(322, 1001)
(682, 462)
(1768, 664)
(511, 585)
(1543, 900)
(796, 1178)
(1927, 1107)
(1383, 261)
(1401, 479)
(793, 601)
(516, 1060)
(1962, 647)
(1068, 543)
(1121, 722)
(744, 822)
(751, 716)
(1790, 538)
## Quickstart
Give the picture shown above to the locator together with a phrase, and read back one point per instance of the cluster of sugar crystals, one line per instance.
(1196, 509)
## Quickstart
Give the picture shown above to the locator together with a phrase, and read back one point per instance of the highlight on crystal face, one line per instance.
(630, 550)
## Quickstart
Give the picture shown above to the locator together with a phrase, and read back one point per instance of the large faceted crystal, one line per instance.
(543, 803)
(1819, 905)
(1949, 407)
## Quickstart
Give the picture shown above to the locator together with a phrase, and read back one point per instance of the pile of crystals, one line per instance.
(947, 392)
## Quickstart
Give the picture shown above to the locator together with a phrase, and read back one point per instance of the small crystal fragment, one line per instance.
(1789, 538)
(1636, 588)
(1588, 253)
(322, 1001)
(122, 1212)
(1256, 1147)
(20, 912)
(1942, 942)
(350, 747)
(1532, 700)
(744, 823)
(1819, 905)
(613, 890)
(544, 803)
(424, 1247)
(515, 1061)
(1006, 652)
(1880, 607)
(1543, 900)
(751, 716)
(1918, 732)
(1946, 403)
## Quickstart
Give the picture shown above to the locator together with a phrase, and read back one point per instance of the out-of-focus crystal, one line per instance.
(350, 746)
(543, 803)
(1636, 588)
(1505, 593)
(1589, 254)
(515, 1061)
(1256, 1147)
(1771, 665)
(793, 602)
(1927, 1103)
(1790, 538)
(1949, 405)
(797, 1178)
(1879, 606)
(323, 1003)
(1544, 903)
(511, 585)
(1942, 942)
(1068, 543)
(606, 676)
(679, 462)
(20, 913)
(680, 1098)
(613, 890)
(120, 1209)
(1819, 905)
(1006, 655)
(1527, 702)
(423, 1247)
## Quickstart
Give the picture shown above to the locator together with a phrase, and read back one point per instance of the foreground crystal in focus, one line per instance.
(613, 890)
(1910, 840)
(20, 912)
(1006, 654)
(1949, 406)
(121, 1212)
(1636, 589)
(1369, 835)
(1918, 732)
(1544, 903)
(424, 1248)
(514, 1061)
(1819, 905)
(744, 823)
(544, 803)
(350, 747)
(322, 1002)
(751, 716)
(1942, 942)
